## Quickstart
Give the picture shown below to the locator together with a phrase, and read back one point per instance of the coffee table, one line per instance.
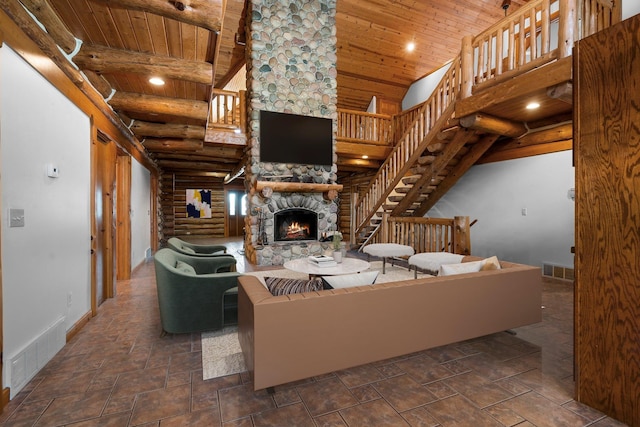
(347, 266)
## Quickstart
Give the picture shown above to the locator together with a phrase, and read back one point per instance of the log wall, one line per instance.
(172, 198)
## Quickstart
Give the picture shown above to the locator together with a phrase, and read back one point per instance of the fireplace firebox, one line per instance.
(295, 224)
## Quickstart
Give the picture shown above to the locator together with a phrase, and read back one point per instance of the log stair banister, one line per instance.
(433, 114)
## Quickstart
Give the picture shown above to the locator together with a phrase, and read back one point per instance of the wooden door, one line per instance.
(607, 271)
(236, 210)
(103, 228)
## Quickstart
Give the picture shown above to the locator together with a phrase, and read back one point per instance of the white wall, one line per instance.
(421, 89)
(46, 263)
(140, 212)
(630, 8)
(496, 193)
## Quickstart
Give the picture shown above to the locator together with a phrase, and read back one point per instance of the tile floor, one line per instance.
(118, 371)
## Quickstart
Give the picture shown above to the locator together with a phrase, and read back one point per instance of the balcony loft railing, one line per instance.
(227, 110)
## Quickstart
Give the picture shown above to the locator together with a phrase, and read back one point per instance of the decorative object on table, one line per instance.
(322, 260)
(336, 242)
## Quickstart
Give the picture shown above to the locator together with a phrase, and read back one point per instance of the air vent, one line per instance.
(557, 272)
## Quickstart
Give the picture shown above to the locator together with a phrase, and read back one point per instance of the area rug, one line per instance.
(221, 353)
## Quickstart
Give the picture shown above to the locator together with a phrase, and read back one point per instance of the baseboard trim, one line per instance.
(78, 325)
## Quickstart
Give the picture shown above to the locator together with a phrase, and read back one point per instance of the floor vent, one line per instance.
(557, 272)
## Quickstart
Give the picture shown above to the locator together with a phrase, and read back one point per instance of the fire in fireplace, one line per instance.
(295, 224)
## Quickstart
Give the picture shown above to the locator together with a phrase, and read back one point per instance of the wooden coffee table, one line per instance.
(347, 266)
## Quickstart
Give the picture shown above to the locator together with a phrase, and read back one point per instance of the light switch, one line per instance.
(16, 217)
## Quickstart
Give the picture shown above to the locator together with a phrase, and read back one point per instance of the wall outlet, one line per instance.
(53, 171)
(69, 299)
(524, 211)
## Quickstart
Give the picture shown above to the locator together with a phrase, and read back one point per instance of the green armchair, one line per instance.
(194, 249)
(194, 295)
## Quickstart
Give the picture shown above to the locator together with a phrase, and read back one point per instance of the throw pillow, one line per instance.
(491, 263)
(185, 268)
(463, 267)
(350, 280)
(281, 286)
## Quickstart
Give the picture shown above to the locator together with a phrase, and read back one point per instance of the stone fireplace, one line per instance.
(291, 68)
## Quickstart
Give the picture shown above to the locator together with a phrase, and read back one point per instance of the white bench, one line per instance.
(388, 250)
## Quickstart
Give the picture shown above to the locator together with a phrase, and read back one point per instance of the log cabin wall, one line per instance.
(172, 202)
(607, 271)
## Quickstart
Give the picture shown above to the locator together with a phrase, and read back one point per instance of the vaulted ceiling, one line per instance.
(198, 45)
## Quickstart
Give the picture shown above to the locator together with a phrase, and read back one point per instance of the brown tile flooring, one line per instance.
(118, 371)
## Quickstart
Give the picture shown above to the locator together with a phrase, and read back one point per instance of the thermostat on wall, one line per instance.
(52, 171)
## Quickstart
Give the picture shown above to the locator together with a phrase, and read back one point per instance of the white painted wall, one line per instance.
(420, 90)
(140, 212)
(47, 261)
(630, 8)
(496, 193)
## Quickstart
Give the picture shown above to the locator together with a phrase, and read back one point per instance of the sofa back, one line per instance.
(296, 336)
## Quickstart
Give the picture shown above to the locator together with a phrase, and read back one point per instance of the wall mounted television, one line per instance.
(293, 138)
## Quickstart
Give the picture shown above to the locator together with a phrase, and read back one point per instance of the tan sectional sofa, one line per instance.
(292, 337)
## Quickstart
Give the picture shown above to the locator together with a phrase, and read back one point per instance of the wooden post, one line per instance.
(566, 27)
(384, 228)
(466, 65)
(243, 111)
(461, 235)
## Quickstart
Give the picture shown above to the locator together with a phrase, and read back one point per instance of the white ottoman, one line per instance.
(388, 250)
(431, 261)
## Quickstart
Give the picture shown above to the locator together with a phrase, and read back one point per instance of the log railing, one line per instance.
(364, 127)
(435, 111)
(428, 234)
(227, 110)
(539, 32)
(596, 15)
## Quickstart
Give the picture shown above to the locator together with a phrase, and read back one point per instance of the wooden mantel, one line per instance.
(268, 187)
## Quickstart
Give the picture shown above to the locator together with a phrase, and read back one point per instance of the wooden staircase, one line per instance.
(474, 105)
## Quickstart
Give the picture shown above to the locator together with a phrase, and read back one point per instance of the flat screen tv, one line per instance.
(292, 138)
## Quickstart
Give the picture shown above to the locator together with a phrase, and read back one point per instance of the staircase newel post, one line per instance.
(466, 65)
(567, 27)
(461, 235)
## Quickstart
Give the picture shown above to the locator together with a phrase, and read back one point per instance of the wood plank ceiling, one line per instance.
(197, 45)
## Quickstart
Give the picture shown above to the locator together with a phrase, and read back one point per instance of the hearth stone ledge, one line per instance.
(279, 253)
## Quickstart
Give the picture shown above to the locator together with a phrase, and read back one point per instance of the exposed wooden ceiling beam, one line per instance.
(201, 13)
(58, 31)
(171, 145)
(495, 125)
(167, 130)
(159, 105)
(108, 60)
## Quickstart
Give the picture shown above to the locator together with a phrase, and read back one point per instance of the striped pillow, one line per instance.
(281, 286)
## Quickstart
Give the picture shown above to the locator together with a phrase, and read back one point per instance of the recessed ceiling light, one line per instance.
(411, 46)
(156, 81)
(365, 156)
(533, 105)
